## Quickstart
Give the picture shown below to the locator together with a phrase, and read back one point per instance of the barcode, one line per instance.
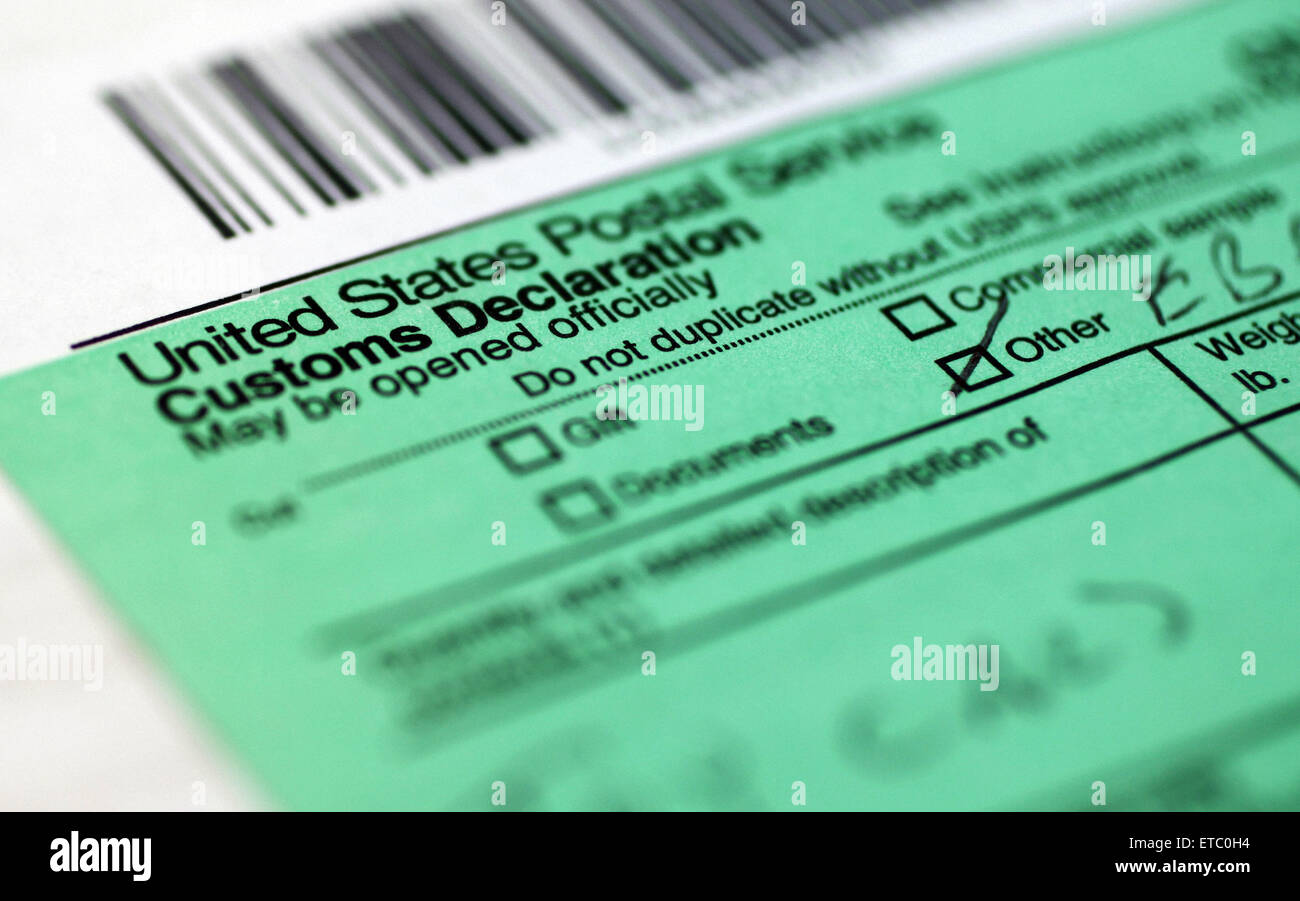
(328, 119)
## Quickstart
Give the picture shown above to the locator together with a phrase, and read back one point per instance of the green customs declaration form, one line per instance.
(938, 452)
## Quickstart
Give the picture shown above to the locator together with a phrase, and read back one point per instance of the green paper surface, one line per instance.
(451, 589)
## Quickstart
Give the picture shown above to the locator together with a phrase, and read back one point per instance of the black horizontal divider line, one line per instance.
(356, 469)
(703, 630)
(463, 590)
(364, 467)
(1254, 439)
(713, 626)
(1258, 166)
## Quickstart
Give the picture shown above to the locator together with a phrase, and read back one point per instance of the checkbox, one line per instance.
(525, 450)
(917, 317)
(578, 505)
(987, 370)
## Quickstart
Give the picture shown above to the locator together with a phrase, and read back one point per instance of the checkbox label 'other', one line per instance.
(986, 371)
(917, 317)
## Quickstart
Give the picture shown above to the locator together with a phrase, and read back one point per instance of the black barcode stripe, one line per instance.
(721, 21)
(427, 116)
(251, 98)
(544, 81)
(612, 65)
(868, 9)
(614, 18)
(719, 18)
(776, 24)
(195, 95)
(517, 131)
(315, 124)
(365, 104)
(129, 116)
(820, 25)
(174, 131)
(343, 114)
(356, 161)
(179, 121)
(570, 58)
(748, 21)
(848, 14)
(444, 90)
(381, 156)
(486, 69)
(823, 23)
(373, 89)
(671, 41)
(447, 81)
(276, 133)
(705, 45)
(889, 9)
(292, 120)
(150, 119)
